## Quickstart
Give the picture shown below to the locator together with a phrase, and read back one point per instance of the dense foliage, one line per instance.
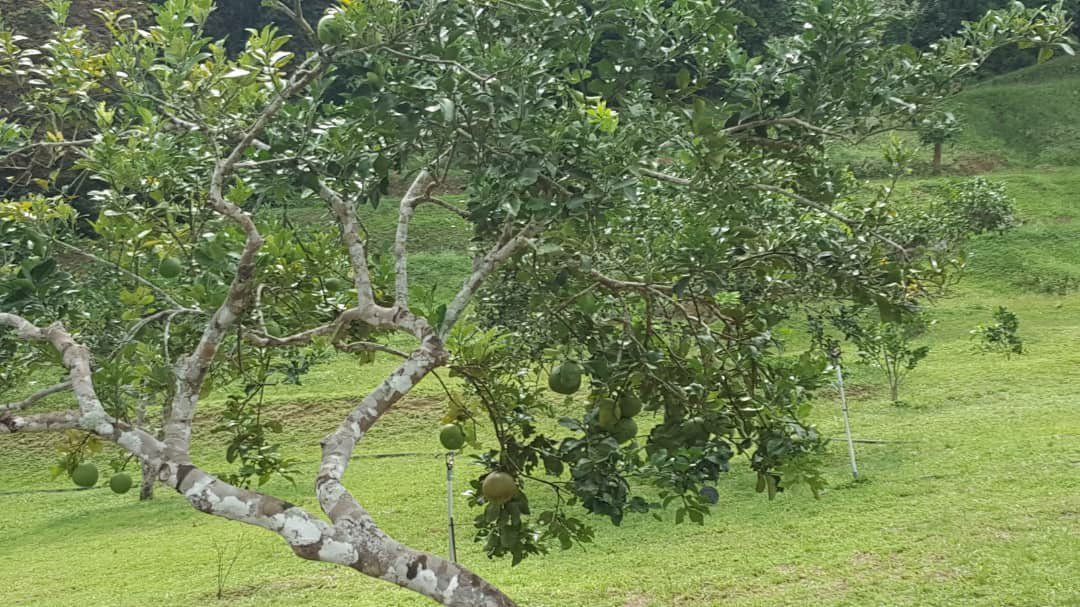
(659, 199)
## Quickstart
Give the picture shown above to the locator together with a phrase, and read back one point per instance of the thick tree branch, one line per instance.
(76, 359)
(482, 268)
(417, 191)
(350, 235)
(42, 422)
(191, 370)
(395, 317)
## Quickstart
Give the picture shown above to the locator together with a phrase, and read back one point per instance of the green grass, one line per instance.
(973, 500)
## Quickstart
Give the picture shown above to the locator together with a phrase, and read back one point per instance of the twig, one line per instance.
(367, 346)
(664, 177)
(35, 397)
(437, 61)
(446, 205)
(46, 144)
(791, 121)
(851, 223)
(139, 279)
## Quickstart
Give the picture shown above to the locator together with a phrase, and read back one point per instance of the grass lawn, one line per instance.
(974, 498)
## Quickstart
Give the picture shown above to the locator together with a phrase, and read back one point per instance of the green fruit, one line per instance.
(335, 284)
(695, 431)
(120, 483)
(624, 430)
(499, 487)
(452, 437)
(565, 378)
(607, 414)
(331, 30)
(170, 267)
(85, 475)
(629, 405)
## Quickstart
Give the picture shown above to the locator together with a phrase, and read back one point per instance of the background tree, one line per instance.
(664, 199)
(886, 345)
(937, 130)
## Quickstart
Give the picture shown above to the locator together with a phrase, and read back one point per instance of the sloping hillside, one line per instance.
(1026, 118)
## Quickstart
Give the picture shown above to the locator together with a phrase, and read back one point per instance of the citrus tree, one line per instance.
(648, 202)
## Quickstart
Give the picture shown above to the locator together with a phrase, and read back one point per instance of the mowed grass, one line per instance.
(973, 498)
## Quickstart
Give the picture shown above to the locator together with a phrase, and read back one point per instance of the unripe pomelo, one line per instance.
(565, 378)
(120, 483)
(330, 29)
(170, 267)
(85, 475)
(335, 284)
(629, 405)
(625, 429)
(452, 437)
(499, 487)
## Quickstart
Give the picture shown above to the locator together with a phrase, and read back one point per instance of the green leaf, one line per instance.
(682, 78)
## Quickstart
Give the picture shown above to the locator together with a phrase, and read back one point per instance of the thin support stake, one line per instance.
(843, 406)
(450, 502)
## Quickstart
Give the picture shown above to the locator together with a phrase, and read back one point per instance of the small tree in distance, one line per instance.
(662, 282)
(887, 345)
(937, 130)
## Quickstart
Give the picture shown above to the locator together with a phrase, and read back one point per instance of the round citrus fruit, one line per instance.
(452, 437)
(629, 405)
(330, 29)
(499, 487)
(170, 267)
(607, 414)
(565, 378)
(625, 429)
(120, 483)
(85, 475)
(335, 284)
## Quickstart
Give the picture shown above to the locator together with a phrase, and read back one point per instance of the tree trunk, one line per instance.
(146, 489)
(937, 161)
(894, 390)
(149, 474)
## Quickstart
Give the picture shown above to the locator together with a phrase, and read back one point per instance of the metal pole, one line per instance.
(835, 355)
(450, 502)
